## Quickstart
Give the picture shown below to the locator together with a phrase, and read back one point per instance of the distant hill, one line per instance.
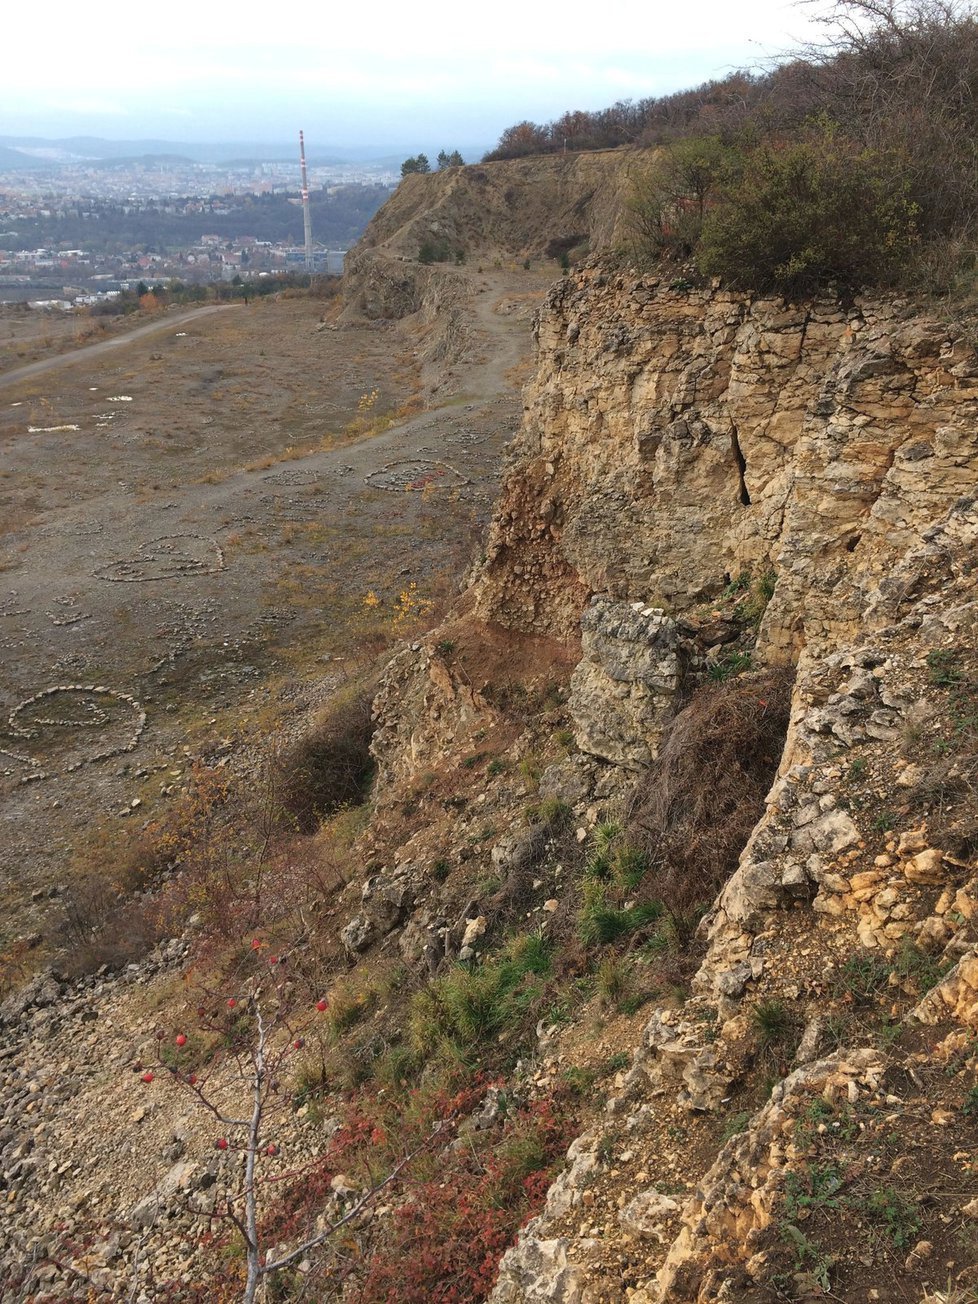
(144, 160)
(228, 153)
(12, 158)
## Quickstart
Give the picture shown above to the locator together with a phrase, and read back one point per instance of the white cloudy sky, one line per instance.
(383, 72)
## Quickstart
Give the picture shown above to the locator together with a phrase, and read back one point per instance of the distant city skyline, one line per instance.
(394, 75)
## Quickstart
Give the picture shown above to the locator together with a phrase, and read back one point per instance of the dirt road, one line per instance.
(89, 352)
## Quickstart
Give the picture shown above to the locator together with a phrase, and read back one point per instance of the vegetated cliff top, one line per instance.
(544, 205)
(849, 164)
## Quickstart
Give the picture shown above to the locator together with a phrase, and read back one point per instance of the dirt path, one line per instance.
(90, 351)
(154, 599)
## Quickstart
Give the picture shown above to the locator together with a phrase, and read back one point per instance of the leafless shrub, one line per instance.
(99, 926)
(695, 808)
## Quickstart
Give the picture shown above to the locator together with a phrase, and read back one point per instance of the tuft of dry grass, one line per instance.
(330, 766)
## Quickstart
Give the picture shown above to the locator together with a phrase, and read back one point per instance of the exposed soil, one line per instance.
(28, 335)
(188, 519)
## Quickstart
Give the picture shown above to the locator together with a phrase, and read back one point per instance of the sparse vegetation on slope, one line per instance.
(852, 164)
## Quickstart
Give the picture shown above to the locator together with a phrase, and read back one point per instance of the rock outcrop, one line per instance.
(676, 439)
(676, 436)
(627, 681)
(534, 208)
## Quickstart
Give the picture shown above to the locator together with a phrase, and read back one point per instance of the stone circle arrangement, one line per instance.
(171, 556)
(415, 475)
(55, 715)
(292, 477)
(73, 529)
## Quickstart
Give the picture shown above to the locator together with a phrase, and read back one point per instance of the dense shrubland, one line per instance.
(855, 163)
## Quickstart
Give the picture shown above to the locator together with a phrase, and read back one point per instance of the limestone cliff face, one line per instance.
(675, 436)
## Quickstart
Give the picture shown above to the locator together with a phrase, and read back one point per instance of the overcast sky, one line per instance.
(382, 73)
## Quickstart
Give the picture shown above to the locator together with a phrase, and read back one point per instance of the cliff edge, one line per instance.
(709, 484)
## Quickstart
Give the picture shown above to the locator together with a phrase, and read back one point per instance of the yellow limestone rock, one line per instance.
(926, 867)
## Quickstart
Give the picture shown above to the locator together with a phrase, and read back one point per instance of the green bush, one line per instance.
(433, 251)
(665, 210)
(811, 213)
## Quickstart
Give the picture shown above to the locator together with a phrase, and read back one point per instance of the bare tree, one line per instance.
(260, 1026)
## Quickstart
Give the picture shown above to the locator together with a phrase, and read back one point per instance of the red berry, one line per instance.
(192, 1079)
(255, 944)
(221, 1143)
(322, 1005)
(181, 1039)
(273, 959)
(298, 1043)
(147, 1077)
(271, 1150)
(231, 1002)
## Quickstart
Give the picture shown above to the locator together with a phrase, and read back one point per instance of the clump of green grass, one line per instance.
(728, 666)
(472, 1007)
(773, 1023)
(601, 922)
(554, 812)
(613, 980)
(350, 1002)
(613, 859)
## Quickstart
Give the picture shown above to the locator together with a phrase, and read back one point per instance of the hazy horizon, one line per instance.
(401, 80)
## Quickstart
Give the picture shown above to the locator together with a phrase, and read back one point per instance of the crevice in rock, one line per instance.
(804, 335)
(741, 464)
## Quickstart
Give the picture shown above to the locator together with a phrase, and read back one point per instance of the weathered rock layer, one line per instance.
(675, 436)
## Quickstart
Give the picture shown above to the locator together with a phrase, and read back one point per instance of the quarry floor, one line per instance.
(190, 523)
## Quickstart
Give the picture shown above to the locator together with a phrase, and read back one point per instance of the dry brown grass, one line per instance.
(694, 809)
(330, 765)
